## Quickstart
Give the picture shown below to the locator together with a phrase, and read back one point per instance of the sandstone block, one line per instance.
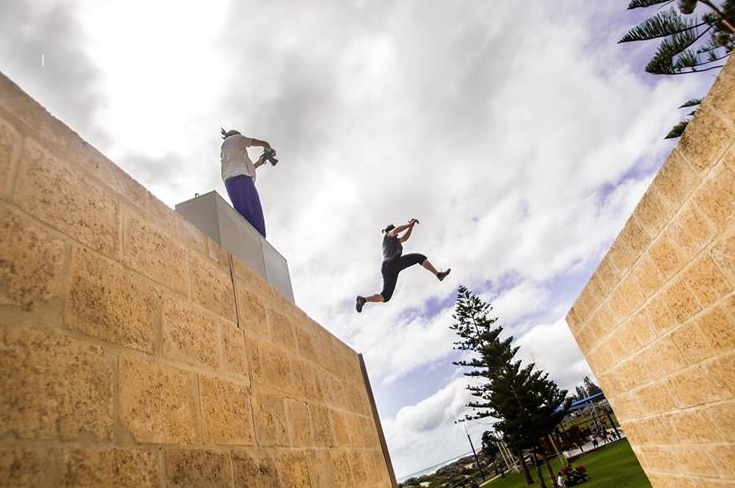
(695, 386)
(271, 422)
(111, 303)
(706, 281)
(681, 301)
(720, 96)
(305, 381)
(666, 255)
(282, 329)
(234, 351)
(320, 469)
(647, 276)
(341, 469)
(717, 329)
(652, 212)
(692, 343)
(659, 316)
(359, 468)
(341, 428)
(619, 305)
(695, 426)
(299, 423)
(723, 457)
(692, 230)
(660, 430)
(31, 262)
(26, 467)
(189, 234)
(10, 142)
(716, 197)
(53, 387)
(722, 253)
(211, 287)
(693, 460)
(321, 423)
(217, 253)
(119, 468)
(293, 469)
(722, 415)
(723, 368)
(663, 358)
(658, 459)
(636, 237)
(254, 468)
(252, 310)
(198, 469)
(642, 327)
(64, 197)
(621, 255)
(702, 141)
(226, 414)
(154, 252)
(271, 365)
(188, 334)
(632, 294)
(157, 402)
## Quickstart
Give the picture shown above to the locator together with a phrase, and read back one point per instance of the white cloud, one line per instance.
(517, 133)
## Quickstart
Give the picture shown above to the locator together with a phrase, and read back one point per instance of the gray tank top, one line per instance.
(391, 247)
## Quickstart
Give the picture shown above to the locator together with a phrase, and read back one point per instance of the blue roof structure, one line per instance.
(576, 405)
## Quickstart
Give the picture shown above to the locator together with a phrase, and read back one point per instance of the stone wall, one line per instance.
(135, 352)
(656, 321)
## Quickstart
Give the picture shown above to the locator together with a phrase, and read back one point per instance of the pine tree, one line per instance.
(591, 387)
(581, 393)
(522, 398)
(692, 40)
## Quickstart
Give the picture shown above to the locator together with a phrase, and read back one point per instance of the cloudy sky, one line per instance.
(520, 134)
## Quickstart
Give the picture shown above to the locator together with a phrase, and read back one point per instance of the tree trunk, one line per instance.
(720, 14)
(540, 475)
(548, 464)
(526, 472)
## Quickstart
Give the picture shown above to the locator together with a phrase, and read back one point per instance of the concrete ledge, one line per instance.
(211, 214)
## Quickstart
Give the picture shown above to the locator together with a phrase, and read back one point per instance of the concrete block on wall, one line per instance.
(211, 214)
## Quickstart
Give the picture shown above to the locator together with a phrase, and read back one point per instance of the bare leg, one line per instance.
(361, 301)
(427, 264)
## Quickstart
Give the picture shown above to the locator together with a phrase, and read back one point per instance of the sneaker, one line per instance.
(443, 274)
(360, 303)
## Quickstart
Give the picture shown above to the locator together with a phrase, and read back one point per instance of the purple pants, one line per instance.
(245, 199)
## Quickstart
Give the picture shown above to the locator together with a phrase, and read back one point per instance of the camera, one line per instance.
(269, 157)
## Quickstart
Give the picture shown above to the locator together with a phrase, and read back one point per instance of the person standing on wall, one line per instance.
(238, 173)
(394, 261)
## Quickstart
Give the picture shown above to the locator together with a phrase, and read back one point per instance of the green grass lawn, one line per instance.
(612, 466)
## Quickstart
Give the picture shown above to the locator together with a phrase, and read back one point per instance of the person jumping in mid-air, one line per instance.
(394, 262)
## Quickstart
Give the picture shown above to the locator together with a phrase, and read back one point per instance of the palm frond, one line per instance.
(687, 6)
(663, 24)
(677, 130)
(645, 3)
(662, 62)
(691, 103)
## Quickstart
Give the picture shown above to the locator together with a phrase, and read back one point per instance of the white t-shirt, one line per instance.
(234, 157)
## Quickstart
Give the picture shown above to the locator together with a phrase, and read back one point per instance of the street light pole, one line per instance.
(477, 460)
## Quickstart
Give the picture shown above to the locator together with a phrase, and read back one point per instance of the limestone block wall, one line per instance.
(134, 352)
(656, 321)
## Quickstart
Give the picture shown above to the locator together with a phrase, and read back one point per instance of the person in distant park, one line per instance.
(394, 261)
(560, 479)
(238, 173)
